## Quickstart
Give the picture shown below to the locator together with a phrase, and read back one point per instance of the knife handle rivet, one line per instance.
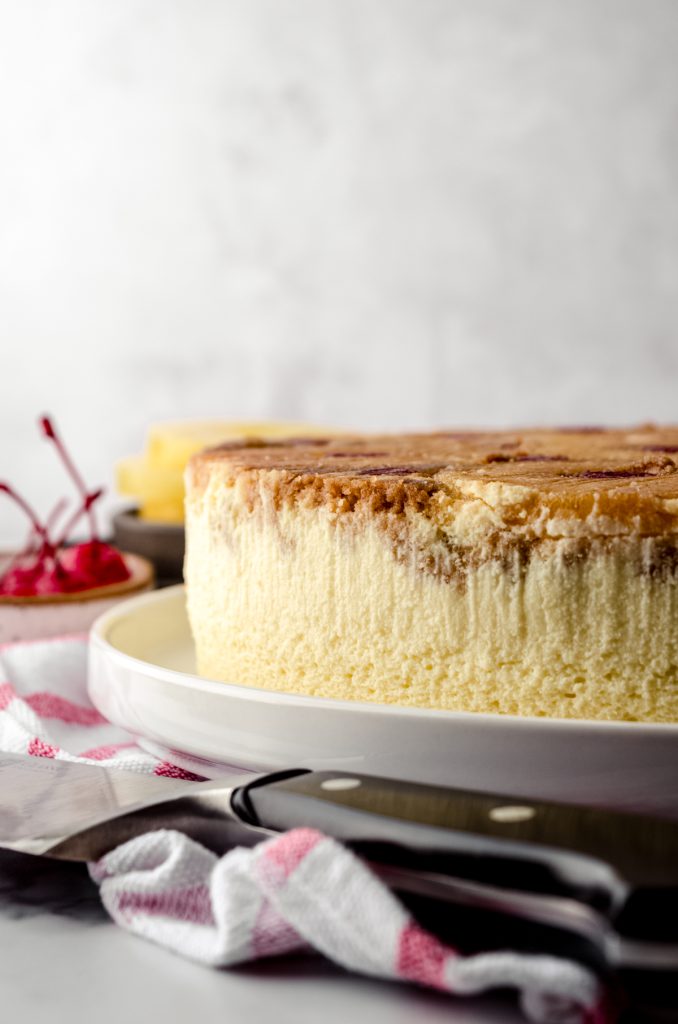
(335, 784)
(512, 812)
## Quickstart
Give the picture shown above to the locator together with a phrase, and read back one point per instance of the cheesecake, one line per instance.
(530, 572)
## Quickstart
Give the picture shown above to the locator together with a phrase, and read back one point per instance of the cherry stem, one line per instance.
(85, 507)
(46, 548)
(48, 430)
(26, 508)
(18, 556)
(29, 547)
(29, 543)
(55, 513)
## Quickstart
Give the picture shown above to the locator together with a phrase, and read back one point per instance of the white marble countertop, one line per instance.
(63, 957)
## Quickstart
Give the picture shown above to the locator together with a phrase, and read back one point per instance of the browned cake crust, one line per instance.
(543, 483)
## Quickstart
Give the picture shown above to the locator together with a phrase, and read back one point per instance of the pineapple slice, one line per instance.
(170, 512)
(155, 478)
(159, 491)
(137, 476)
(170, 445)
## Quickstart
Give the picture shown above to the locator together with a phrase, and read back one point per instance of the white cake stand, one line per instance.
(142, 677)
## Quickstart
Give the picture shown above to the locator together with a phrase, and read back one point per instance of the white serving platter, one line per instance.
(142, 677)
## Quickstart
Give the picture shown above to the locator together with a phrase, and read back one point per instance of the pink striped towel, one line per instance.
(301, 890)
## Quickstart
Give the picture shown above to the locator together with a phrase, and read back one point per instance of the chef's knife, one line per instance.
(609, 879)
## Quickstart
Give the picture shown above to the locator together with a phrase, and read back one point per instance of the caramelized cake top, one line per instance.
(534, 483)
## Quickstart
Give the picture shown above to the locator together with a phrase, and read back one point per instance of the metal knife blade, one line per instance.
(609, 878)
(46, 803)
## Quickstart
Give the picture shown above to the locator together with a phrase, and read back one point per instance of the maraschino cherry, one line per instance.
(45, 566)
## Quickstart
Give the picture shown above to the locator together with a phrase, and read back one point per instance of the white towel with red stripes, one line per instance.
(298, 891)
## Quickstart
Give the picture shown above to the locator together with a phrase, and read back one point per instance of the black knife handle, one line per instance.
(625, 865)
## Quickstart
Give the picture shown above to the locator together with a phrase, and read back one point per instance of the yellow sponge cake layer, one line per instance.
(532, 573)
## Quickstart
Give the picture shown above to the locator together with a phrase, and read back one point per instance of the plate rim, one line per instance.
(98, 637)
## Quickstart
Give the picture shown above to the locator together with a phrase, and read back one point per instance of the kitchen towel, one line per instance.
(298, 891)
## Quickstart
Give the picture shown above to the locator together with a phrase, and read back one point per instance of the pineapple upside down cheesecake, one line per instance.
(529, 573)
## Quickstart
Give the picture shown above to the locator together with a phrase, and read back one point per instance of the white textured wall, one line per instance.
(371, 212)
